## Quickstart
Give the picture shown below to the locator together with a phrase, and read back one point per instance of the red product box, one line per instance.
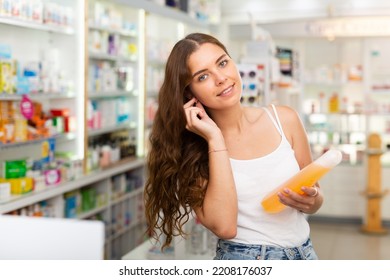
(70, 123)
(64, 112)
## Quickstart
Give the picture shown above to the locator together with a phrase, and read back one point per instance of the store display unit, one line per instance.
(336, 94)
(115, 92)
(109, 51)
(114, 196)
(41, 92)
(41, 74)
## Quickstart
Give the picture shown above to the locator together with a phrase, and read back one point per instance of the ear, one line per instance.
(188, 94)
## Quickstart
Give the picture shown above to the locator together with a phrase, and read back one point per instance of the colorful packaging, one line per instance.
(70, 124)
(5, 191)
(20, 130)
(6, 77)
(70, 204)
(52, 176)
(20, 185)
(48, 150)
(14, 169)
(88, 198)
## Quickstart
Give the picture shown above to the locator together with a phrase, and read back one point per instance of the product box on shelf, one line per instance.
(52, 176)
(71, 167)
(88, 198)
(15, 174)
(14, 168)
(6, 85)
(5, 190)
(71, 204)
(6, 70)
(24, 120)
(19, 185)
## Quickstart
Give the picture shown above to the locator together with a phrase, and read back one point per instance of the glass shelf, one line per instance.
(109, 94)
(115, 58)
(38, 96)
(124, 33)
(59, 138)
(97, 132)
(334, 84)
(22, 200)
(36, 25)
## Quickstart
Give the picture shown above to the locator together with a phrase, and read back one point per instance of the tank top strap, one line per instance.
(277, 123)
(277, 118)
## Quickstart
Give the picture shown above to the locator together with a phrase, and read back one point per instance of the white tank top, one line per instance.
(254, 178)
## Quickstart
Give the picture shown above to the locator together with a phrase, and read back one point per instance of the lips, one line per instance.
(226, 91)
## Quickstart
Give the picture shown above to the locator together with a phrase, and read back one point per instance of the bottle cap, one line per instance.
(330, 158)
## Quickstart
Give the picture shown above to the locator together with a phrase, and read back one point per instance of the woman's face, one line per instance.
(215, 81)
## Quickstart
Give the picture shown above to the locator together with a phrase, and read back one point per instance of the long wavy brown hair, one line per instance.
(177, 161)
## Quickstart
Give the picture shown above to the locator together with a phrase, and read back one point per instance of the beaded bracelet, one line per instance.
(222, 150)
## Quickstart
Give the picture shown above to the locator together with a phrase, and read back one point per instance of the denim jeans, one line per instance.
(228, 250)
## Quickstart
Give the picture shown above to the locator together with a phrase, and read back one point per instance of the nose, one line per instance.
(220, 78)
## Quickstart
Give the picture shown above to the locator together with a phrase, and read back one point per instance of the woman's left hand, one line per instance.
(309, 202)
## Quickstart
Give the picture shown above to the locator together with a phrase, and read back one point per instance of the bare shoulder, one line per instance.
(291, 123)
(287, 114)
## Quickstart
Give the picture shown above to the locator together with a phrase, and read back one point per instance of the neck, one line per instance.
(229, 120)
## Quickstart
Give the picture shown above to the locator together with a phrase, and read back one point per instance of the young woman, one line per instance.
(214, 157)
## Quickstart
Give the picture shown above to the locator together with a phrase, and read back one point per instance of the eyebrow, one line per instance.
(200, 71)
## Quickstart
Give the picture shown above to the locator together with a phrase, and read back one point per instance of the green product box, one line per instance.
(14, 169)
(88, 199)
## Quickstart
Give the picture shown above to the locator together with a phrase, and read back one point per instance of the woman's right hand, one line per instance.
(198, 121)
(218, 212)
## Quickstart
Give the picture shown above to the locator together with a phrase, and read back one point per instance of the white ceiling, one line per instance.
(262, 11)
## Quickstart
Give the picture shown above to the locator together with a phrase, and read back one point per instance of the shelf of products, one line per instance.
(338, 104)
(115, 83)
(162, 33)
(333, 98)
(49, 16)
(17, 201)
(61, 137)
(378, 91)
(41, 99)
(114, 196)
(50, 171)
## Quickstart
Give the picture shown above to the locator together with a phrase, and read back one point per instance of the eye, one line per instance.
(223, 63)
(202, 77)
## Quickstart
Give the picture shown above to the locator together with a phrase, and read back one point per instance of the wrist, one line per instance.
(217, 143)
(219, 150)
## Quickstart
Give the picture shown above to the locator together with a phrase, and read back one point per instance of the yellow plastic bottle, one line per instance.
(334, 103)
(307, 177)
